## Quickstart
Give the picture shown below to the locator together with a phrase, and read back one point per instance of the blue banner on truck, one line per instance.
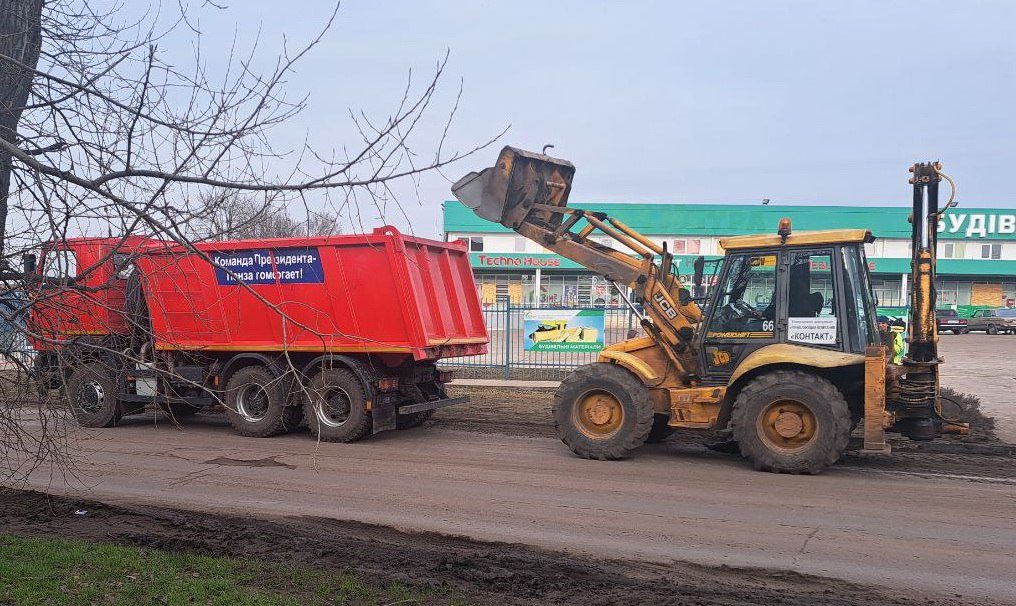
(264, 266)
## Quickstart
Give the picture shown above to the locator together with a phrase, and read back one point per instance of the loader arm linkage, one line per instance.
(528, 193)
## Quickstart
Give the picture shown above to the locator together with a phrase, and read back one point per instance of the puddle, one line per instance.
(266, 462)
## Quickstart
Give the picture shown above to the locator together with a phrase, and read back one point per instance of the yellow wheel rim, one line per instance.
(598, 415)
(787, 425)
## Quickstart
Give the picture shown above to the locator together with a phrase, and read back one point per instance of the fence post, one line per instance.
(508, 338)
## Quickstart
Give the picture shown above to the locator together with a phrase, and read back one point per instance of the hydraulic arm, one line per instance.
(918, 389)
(528, 193)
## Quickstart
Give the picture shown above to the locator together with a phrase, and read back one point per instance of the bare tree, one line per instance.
(104, 134)
(232, 215)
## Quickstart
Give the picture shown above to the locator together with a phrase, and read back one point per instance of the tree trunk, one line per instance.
(21, 40)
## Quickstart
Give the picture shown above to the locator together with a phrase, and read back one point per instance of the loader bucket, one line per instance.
(506, 192)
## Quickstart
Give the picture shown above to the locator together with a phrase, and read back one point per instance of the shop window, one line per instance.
(954, 250)
(473, 243)
(687, 246)
(887, 292)
(991, 251)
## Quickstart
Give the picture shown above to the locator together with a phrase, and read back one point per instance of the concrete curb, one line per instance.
(505, 383)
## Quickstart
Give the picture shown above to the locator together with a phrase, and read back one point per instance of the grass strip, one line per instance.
(59, 572)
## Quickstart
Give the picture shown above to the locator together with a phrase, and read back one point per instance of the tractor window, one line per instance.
(746, 303)
(860, 302)
(811, 315)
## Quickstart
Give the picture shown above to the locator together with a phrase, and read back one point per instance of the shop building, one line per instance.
(976, 250)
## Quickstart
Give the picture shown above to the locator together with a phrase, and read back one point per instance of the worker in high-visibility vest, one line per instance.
(891, 338)
(898, 327)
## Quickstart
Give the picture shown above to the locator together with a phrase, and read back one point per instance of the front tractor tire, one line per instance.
(602, 411)
(790, 421)
(256, 403)
(91, 391)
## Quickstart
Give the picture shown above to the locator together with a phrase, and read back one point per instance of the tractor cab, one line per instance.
(809, 291)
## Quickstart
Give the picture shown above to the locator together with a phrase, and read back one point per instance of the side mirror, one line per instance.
(700, 266)
(30, 261)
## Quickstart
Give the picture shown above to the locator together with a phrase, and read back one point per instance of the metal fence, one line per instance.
(507, 356)
(14, 346)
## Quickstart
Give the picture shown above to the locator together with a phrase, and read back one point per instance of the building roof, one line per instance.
(742, 219)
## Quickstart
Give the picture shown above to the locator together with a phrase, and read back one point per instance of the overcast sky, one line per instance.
(801, 102)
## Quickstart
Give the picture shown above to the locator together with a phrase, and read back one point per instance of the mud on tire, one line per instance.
(91, 392)
(336, 406)
(789, 421)
(602, 411)
(256, 403)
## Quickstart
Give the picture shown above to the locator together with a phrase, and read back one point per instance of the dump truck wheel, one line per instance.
(256, 403)
(336, 407)
(660, 431)
(789, 421)
(602, 411)
(413, 419)
(91, 391)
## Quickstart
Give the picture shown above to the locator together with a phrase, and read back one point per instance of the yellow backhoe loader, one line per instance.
(788, 356)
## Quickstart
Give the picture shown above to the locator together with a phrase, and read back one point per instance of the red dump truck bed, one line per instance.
(367, 293)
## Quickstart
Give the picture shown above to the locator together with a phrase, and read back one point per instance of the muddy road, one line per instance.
(455, 567)
(932, 525)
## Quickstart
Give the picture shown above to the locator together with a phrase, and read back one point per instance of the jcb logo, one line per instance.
(665, 305)
(721, 357)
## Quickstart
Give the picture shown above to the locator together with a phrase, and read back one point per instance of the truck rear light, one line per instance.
(388, 384)
(445, 376)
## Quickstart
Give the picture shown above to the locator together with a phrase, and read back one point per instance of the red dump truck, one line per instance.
(341, 330)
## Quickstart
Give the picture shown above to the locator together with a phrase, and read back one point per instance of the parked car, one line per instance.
(948, 319)
(993, 321)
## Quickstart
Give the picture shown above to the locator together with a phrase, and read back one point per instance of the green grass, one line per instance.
(61, 572)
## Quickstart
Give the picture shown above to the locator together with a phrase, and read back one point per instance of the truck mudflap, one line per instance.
(431, 405)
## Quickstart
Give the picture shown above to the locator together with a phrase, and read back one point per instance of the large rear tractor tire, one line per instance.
(256, 403)
(91, 391)
(336, 406)
(789, 421)
(602, 411)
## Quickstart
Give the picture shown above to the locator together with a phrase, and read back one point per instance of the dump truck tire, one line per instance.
(413, 419)
(256, 403)
(336, 406)
(660, 431)
(789, 421)
(91, 392)
(602, 411)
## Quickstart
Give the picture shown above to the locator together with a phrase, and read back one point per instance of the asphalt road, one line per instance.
(985, 366)
(933, 534)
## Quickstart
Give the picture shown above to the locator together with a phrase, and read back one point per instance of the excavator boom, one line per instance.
(528, 193)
